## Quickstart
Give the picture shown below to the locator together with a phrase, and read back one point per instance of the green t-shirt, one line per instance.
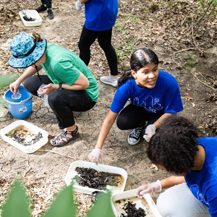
(63, 66)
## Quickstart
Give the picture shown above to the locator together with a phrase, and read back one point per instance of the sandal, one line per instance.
(64, 137)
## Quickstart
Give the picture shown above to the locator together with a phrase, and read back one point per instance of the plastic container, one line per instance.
(19, 105)
(33, 14)
(104, 168)
(145, 203)
(44, 96)
(32, 127)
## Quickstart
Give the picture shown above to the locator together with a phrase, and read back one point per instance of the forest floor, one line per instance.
(186, 47)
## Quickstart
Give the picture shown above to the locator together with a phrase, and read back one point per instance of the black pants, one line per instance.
(135, 116)
(104, 38)
(47, 3)
(62, 102)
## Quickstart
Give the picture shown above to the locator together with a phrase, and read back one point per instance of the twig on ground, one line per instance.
(203, 82)
(27, 171)
(179, 51)
(54, 152)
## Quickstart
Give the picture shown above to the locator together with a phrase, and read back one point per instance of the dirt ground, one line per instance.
(189, 54)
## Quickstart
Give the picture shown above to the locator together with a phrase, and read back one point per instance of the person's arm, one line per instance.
(83, 1)
(96, 153)
(159, 185)
(80, 84)
(171, 181)
(28, 72)
(106, 126)
(160, 120)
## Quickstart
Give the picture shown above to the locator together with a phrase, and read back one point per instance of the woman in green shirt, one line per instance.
(69, 84)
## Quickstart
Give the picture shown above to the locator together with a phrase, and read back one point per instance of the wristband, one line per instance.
(60, 86)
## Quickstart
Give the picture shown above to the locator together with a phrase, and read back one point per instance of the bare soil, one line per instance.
(186, 49)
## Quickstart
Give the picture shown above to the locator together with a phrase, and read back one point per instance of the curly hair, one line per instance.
(174, 145)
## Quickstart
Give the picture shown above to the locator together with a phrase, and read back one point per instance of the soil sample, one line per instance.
(125, 206)
(26, 18)
(97, 179)
(132, 211)
(24, 136)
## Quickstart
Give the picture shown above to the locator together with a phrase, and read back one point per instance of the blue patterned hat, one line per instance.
(25, 51)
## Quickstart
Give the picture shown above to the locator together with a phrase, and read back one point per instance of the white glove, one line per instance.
(95, 155)
(78, 5)
(149, 132)
(149, 188)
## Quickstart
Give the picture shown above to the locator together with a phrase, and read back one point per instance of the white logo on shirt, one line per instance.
(150, 104)
(200, 196)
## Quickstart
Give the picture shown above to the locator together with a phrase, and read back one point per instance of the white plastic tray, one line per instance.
(33, 14)
(100, 167)
(150, 208)
(32, 127)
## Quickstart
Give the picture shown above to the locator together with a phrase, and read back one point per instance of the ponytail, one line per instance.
(127, 75)
(36, 37)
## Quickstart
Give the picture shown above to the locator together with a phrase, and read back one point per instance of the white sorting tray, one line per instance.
(33, 14)
(32, 127)
(150, 207)
(100, 167)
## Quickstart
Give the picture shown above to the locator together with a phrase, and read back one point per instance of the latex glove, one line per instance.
(149, 188)
(149, 132)
(95, 155)
(78, 5)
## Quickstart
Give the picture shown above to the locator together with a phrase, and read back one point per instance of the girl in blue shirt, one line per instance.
(154, 95)
(100, 18)
(192, 162)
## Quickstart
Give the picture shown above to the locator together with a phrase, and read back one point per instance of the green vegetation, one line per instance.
(17, 204)
(207, 6)
(5, 80)
(191, 63)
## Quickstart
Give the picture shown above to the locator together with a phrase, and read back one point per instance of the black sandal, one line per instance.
(64, 137)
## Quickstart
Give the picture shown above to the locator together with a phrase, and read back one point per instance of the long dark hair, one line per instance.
(139, 59)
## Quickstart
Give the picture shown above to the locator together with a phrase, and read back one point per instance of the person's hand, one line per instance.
(95, 155)
(46, 89)
(78, 5)
(149, 132)
(149, 188)
(14, 87)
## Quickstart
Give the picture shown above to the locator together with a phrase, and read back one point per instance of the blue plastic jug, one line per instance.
(19, 105)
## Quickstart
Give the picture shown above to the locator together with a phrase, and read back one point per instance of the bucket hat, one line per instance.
(25, 51)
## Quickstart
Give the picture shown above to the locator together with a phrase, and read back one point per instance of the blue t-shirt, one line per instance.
(203, 184)
(164, 97)
(100, 14)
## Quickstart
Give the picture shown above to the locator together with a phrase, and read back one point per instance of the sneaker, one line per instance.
(135, 136)
(109, 80)
(50, 14)
(41, 8)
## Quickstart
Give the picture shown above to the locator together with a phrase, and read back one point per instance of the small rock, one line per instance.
(215, 83)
